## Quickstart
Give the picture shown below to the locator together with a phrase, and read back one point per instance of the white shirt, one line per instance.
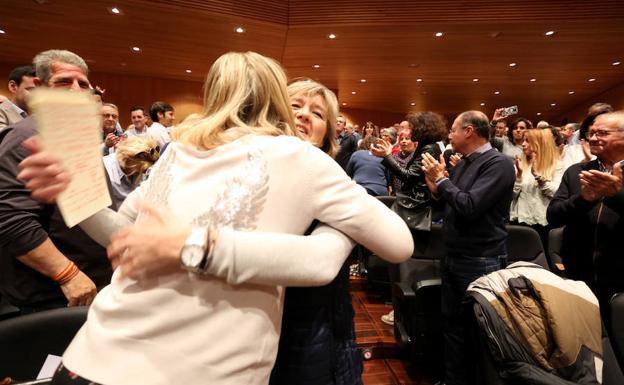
(159, 133)
(185, 328)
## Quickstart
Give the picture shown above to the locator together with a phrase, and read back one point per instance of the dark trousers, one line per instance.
(458, 271)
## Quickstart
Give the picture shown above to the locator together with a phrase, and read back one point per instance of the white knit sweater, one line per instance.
(182, 328)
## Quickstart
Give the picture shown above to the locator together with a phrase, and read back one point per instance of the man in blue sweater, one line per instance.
(477, 194)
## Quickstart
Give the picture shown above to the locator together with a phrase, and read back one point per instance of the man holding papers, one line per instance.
(43, 263)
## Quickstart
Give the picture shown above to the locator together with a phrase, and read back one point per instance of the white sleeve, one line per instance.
(103, 224)
(279, 258)
(340, 203)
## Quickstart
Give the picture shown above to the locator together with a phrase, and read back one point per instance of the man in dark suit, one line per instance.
(21, 82)
(44, 264)
(347, 140)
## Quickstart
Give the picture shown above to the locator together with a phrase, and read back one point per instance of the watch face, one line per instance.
(192, 255)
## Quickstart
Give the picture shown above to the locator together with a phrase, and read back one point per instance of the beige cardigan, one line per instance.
(185, 329)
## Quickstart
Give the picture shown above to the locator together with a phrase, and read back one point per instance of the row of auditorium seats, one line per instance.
(416, 291)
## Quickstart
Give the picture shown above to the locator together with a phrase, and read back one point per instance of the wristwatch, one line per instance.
(194, 254)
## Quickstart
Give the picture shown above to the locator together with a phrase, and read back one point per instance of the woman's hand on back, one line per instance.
(151, 246)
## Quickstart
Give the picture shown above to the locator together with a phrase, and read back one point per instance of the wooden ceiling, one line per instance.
(388, 43)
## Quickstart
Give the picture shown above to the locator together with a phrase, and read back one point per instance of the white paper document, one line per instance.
(70, 129)
(49, 366)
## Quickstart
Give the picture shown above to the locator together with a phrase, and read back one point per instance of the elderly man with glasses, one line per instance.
(590, 204)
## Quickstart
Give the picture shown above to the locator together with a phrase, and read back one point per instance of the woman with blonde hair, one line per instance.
(128, 165)
(195, 299)
(538, 174)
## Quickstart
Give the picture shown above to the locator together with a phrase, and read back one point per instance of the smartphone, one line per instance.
(508, 111)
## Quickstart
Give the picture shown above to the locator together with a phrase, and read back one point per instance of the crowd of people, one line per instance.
(233, 227)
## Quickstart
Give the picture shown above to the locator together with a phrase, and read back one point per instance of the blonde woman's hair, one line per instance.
(137, 154)
(310, 88)
(543, 144)
(244, 90)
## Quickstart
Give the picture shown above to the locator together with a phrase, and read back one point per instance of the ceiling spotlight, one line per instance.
(188, 71)
(136, 49)
(616, 63)
(475, 80)
(539, 113)
(439, 34)
(549, 33)
(353, 92)
(2, 32)
(344, 104)
(496, 92)
(570, 92)
(363, 80)
(482, 104)
(419, 80)
(240, 30)
(553, 104)
(533, 80)
(316, 66)
(115, 10)
(412, 104)
(591, 80)
(512, 64)
(331, 36)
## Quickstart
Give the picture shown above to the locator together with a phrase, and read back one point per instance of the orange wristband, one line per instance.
(65, 275)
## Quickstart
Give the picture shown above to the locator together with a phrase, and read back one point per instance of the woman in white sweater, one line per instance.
(239, 168)
(538, 175)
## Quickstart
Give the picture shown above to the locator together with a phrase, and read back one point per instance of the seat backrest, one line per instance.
(425, 262)
(26, 341)
(388, 200)
(616, 326)
(524, 244)
(555, 240)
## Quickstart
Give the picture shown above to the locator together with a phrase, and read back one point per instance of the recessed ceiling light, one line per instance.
(115, 10)
(412, 104)
(591, 80)
(616, 63)
(475, 80)
(363, 80)
(123, 64)
(533, 80)
(439, 34)
(188, 71)
(570, 92)
(136, 49)
(316, 66)
(344, 104)
(353, 92)
(331, 36)
(419, 80)
(549, 33)
(240, 30)
(553, 104)
(2, 32)
(482, 104)
(512, 64)
(539, 113)
(496, 92)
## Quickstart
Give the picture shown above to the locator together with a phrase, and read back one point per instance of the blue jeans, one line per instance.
(458, 271)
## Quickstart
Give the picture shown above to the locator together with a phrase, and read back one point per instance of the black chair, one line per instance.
(417, 305)
(616, 326)
(26, 341)
(378, 272)
(483, 369)
(7, 310)
(524, 244)
(555, 240)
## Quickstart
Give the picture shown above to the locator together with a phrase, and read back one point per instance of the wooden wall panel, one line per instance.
(613, 96)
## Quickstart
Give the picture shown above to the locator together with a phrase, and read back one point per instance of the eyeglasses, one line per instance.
(600, 133)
